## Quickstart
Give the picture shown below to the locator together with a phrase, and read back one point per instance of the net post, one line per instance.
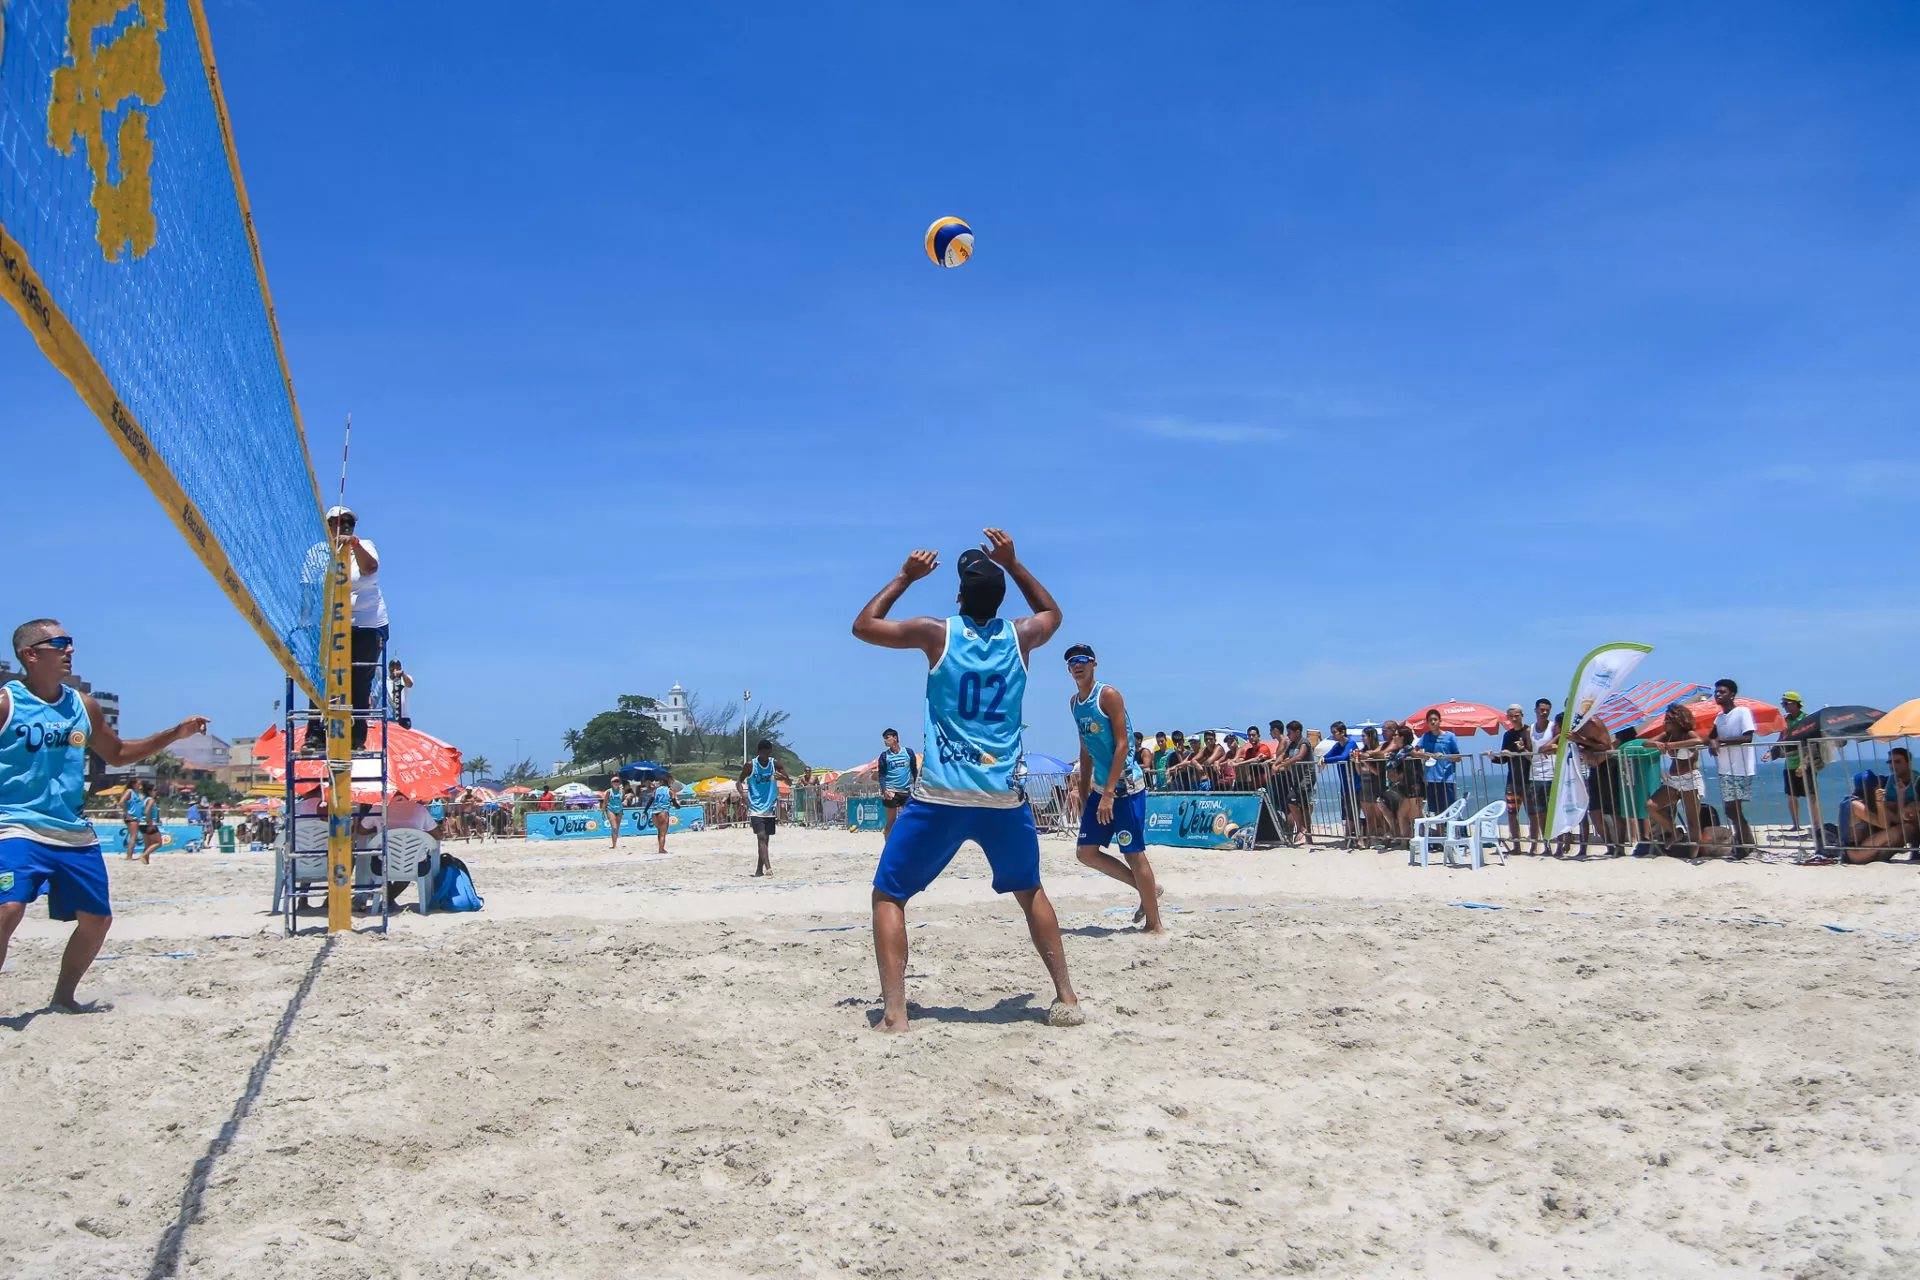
(339, 654)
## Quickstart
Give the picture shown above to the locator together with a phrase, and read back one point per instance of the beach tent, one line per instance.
(1648, 698)
(1459, 717)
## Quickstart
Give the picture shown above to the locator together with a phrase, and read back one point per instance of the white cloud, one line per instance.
(1171, 427)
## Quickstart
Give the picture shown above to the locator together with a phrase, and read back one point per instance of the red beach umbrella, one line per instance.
(1766, 717)
(1459, 717)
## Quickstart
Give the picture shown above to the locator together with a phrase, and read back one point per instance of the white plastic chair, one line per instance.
(413, 857)
(1432, 830)
(309, 856)
(1468, 838)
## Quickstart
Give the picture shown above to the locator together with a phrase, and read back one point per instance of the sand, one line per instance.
(659, 1067)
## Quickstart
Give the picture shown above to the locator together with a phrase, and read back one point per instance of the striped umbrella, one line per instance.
(1643, 701)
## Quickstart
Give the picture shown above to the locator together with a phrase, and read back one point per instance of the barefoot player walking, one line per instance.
(976, 682)
(46, 843)
(1109, 773)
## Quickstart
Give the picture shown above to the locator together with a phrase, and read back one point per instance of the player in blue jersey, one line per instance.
(761, 776)
(46, 843)
(614, 806)
(896, 769)
(1109, 773)
(976, 681)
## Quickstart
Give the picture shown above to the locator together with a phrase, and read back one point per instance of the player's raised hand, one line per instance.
(191, 725)
(999, 547)
(919, 565)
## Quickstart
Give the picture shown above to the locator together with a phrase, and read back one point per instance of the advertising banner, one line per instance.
(1206, 820)
(582, 824)
(1599, 676)
(865, 813)
(175, 837)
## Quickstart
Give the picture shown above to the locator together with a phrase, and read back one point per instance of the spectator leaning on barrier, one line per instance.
(1886, 821)
(1441, 751)
(1540, 773)
(1733, 753)
(1339, 754)
(1257, 760)
(1792, 779)
(1162, 749)
(369, 615)
(1294, 761)
(1516, 752)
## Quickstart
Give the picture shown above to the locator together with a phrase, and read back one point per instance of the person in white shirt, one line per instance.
(369, 616)
(1731, 740)
(400, 685)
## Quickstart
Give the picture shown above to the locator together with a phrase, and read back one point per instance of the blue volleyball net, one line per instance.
(127, 247)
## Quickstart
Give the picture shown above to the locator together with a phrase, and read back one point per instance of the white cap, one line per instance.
(336, 512)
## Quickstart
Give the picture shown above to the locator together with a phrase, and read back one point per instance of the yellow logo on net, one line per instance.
(104, 73)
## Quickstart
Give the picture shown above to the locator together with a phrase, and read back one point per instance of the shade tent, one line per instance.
(1459, 717)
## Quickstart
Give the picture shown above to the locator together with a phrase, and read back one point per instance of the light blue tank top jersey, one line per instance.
(763, 787)
(974, 697)
(616, 800)
(1096, 735)
(899, 771)
(662, 800)
(43, 761)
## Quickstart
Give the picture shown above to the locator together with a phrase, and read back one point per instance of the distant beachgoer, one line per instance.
(1516, 752)
(149, 823)
(1109, 776)
(1162, 749)
(47, 846)
(1407, 776)
(1441, 751)
(1542, 735)
(1370, 786)
(399, 694)
(761, 776)
(1296, 768)
(614, 805)
(660, 810)
(130, 810)
(975, 692)
(898, 769)
(1731, 740)
(1340, 756)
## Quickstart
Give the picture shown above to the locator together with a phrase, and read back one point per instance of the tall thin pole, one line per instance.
(346, 443)
(746, 696)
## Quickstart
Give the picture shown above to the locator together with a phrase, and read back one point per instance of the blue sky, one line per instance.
(1325, 361)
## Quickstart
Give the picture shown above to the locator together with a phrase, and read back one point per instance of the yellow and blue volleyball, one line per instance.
(949, 242)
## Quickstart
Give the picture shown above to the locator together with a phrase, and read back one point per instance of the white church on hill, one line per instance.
(672, 714)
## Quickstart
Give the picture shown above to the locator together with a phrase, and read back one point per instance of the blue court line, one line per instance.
(152, 955)
(155, 902)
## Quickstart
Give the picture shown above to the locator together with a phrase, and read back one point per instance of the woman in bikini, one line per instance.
(1679, 740)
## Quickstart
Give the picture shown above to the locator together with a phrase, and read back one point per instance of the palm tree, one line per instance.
(478, 765)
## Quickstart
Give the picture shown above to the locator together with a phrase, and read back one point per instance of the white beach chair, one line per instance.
(1432, 830)
(309, 855)
(413, 857)
(1468, 838)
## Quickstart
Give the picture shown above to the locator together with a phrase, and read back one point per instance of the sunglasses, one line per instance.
(1074, 662)
(53, 642)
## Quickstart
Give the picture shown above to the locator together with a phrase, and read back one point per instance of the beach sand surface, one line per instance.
(629, 1065)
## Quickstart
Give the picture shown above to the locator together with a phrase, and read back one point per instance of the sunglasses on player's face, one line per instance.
(1074, 662)
(53, 642)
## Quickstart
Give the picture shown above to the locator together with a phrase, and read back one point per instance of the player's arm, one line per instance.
(929, 635)
(1114, 707)
(1083, 772)
(109, 747)
(780, 771)
(368, 562)
(1037, 629)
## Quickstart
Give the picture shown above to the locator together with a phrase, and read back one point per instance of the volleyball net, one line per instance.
(127, 247)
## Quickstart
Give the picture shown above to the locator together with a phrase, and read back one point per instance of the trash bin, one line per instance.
(226, 839)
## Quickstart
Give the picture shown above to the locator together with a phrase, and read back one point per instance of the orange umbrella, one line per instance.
(418, 765)
(1460, 717)
(1766, 717)
(1899, 722)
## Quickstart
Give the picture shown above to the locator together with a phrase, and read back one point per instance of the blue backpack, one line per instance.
(453, 887)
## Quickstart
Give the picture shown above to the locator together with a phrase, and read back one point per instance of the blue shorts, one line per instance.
(1128, 828)
(926, 836)
(73, 878)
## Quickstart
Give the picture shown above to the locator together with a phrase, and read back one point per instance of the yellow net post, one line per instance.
(339, 659)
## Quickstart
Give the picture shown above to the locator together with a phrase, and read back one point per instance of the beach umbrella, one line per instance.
(713, 786)
(1835, 722)
(1040, 762)
(1766, 717)
(1459, 717)
(1899, 722)
(1648, 698)
(419, 765)
(517, 791)
(643, 770)
(574, 790)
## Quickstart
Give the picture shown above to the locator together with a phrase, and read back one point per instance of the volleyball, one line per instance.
(949, 242)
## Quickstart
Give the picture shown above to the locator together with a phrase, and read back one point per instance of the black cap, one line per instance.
(974, 566)
(1079, 651)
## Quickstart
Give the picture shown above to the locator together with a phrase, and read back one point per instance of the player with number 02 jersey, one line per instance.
(976, 683)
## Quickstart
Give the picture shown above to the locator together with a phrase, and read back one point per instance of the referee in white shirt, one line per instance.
(369, 617)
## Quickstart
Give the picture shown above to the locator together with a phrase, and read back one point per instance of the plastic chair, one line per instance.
(1468, 837)
(1432, 830)
(413, 857)
(308, 858)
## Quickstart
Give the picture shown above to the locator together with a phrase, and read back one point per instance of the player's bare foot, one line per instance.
(892, 1024)
(79, 1006)
(1063, 1014)
(1140, 912)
